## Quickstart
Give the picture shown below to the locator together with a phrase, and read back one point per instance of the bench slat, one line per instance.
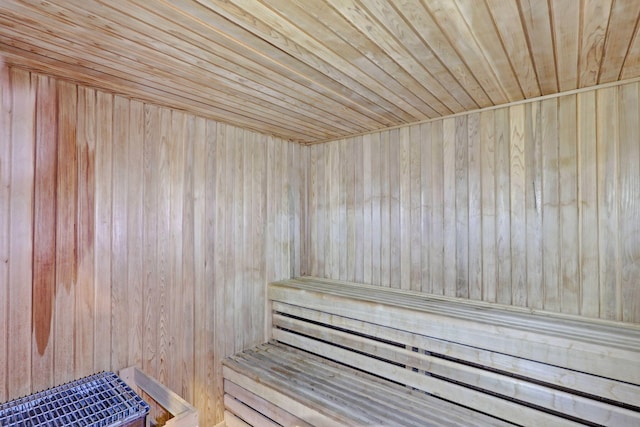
(263, 406)
(450, 391)
(560, 351)
(560, 377)
(525, 391)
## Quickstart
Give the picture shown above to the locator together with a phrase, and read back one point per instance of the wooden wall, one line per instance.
(133, 234)
(535, 205)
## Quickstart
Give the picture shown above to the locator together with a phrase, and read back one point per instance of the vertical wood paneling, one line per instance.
(44, 221)
(5, 185)
(550, 206)
(148, 236)
(517, 202)
(607, 152)
(103, 200)
(533, 204)
(629, 202)
(21, 234)
(85, 295)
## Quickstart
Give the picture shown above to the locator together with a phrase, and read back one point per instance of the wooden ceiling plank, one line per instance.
(595, 20)
(241, 90)
(623, 23)
(56, 45)
(537, 21)
(478, 18)
(427, 29)
(68, 71)
(361, 51)
(318, 106)
(565, 19)
(455, 28)
(391, 15)
(384, 29)
(506, 18)
(263, 23)
(339, 35)
(216, 27)
(631, 67)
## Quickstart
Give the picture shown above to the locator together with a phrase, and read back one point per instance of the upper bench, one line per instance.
(523, 367)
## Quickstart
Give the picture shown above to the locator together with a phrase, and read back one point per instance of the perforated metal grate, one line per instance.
(99, 400)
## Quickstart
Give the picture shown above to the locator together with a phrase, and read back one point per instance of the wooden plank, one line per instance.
(259, 310)
(533, 182)
(44, 226)
(231, 420)
(588, 384)
(588, 205)
(163, 298)
(426, 206)
(436, 257)
(461, 201)
(175, 292)
(536, 18)
(5, 185)
(367, 208)
(506, 18)
(565, 21)
(617, 42)
(450, 261)
(405, 209)
(188, 285)
(395, 230)
(503, 218)
(517, 202)
(66, 232)
(524, 391)
(119, 241)
(376, 208)
(103, 201)
(21, 233)
(474, 206)
(594, 22)
(550, 206)
(214, 411)
(203, 218)
(488, 167)
(414, 232)
(344, 239)
(247, 413)
(271, 411)
(135, 232)
(499, 408)
(384, 260)
(349, 160)
(85, 295)
(150, 280)
(629, 188)
(607, 140)
(360, 210)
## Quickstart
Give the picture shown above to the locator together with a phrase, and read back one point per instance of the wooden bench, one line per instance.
(358, 355)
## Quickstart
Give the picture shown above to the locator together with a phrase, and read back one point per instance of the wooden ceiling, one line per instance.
(312, 70)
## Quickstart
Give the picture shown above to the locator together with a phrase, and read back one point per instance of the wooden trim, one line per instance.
(184, 415)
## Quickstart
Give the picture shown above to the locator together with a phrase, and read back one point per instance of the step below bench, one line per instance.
(358, 355)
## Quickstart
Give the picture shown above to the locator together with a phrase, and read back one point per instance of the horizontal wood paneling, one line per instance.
(533, 205)
(319, 70)
(132, 234)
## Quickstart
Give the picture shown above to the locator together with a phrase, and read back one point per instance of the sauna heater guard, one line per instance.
(100, 400)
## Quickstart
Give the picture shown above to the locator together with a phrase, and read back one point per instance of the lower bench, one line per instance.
(358, 355)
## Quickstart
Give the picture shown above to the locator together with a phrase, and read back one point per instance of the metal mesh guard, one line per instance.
(98, 400)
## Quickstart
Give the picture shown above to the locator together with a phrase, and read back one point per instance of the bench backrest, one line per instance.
(527, 368)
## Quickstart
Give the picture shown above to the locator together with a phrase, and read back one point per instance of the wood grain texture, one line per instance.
(323, 70)
(113, 217)
(523, 205)
(5, 186)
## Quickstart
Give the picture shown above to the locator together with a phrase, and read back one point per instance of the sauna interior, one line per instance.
(161, 162)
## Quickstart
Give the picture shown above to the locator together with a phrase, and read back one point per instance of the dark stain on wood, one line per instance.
(44, 256)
